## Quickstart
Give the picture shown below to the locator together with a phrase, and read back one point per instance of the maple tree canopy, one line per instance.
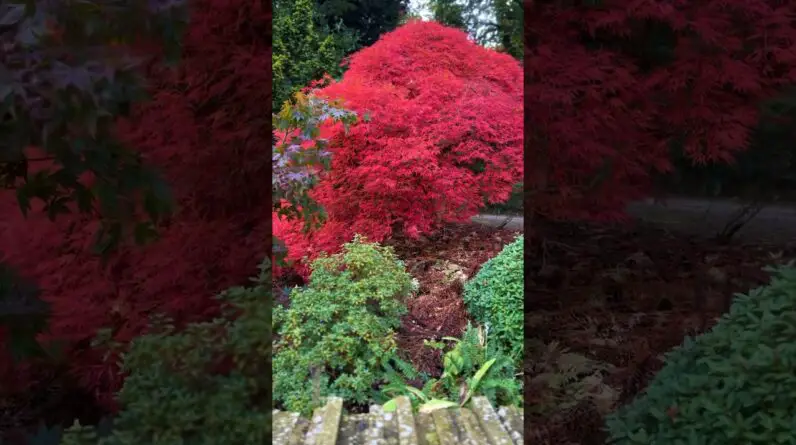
(613, 88)
(445, 136)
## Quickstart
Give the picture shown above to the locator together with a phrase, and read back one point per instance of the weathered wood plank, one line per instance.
(490, 422)
(474, 434)
(326, 423)
(353, 429)
(407, 430)
(299, 432)
(375, 432)
(427, 432)
(480, 425)
(446, 433)
(512, 419)
(283, 425)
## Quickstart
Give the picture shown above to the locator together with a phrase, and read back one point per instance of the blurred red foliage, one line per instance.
(613, 86)
(207, 128)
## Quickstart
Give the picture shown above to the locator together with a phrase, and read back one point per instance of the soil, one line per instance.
(624, 295)
(438, 309)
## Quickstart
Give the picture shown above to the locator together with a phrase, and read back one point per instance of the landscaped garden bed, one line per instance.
(442, 264)
(383, 293)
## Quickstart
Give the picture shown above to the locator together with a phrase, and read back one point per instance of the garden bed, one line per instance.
(623, 296)
(441, 263)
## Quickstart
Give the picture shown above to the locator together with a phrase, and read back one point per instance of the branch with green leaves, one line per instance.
(300, 154)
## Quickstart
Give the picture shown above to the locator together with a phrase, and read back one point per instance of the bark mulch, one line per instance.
(441, 263)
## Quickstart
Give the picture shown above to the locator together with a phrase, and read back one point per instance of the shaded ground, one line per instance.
(441, 264)
(623, 296)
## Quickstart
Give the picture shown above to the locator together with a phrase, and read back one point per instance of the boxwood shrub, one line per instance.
(733, 385)
(494, 297)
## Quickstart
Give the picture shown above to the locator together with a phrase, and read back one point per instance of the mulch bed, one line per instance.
(438, 310)
(624, 295)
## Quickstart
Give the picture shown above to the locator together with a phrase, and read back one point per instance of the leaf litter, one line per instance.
(441, 263)
(619, 296)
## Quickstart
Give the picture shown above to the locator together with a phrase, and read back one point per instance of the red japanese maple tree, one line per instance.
(613, 86)
(207, 129)
(445, 135)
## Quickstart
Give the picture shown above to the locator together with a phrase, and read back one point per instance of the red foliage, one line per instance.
(207, 129)
(599, 119)
(439, 103)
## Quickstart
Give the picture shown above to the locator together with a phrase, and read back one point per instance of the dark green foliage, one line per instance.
(203, 384)
(304, 49)
(67, 73)
(448, 12)
(462, 362)
(459, 380)
(339, 331)
(368, 19)
(44, 436)
(494, 297)
(296, 163)
(509, 26)
(732, 385)
(22, 314)
(495, 23)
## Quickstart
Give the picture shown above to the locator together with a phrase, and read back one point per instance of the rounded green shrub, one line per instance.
(494, 297)
(735, 384)
(339, 331)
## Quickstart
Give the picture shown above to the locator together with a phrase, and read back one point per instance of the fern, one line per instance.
(458, 383)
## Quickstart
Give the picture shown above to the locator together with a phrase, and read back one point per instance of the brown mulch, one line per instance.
(624, 295)
(438, 309)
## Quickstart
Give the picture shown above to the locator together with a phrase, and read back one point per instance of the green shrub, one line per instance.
(732, 385)
(494, 297)
(468, 357)
(339, 331)
(205, 384)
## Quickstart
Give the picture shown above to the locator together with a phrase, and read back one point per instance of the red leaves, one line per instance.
(207, 129)
(445, 134)
(618, 98)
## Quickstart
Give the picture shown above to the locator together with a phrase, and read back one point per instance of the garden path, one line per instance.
(694, 216)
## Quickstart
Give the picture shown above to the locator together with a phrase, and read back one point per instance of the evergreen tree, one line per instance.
(305, 47)
(449, 13)
(369, 19)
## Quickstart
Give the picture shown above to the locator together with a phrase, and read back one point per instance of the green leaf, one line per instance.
(435, 404)
(83, 197)
(390, 406)
(57, 206)
(145, 232)
(23, 199)
(419, 394)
